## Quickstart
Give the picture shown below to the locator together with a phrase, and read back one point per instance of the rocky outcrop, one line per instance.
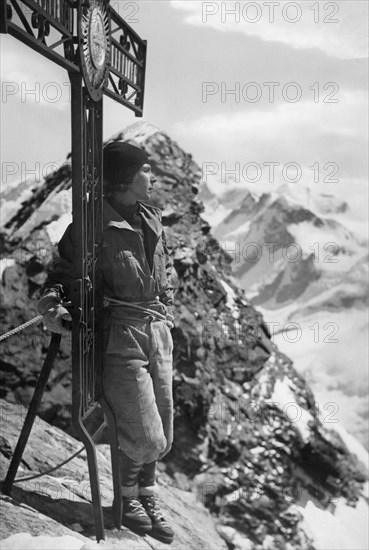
(60, 503)
(249, 442)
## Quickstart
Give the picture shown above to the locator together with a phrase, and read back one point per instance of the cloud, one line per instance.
(338, 28)
(303, 122)
(307, 133)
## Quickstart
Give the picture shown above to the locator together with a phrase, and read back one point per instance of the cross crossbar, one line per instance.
(50, 27)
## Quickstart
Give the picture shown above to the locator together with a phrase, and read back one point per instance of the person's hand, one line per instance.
(169, 321)
(58, 319)
(55, 316)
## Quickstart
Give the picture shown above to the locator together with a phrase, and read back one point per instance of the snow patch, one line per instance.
(214, 213)
(353, 445)
(57, 209)
(284, 398)
(4, 264)
(44, 542)
(335, 369)
(334, 247)
(240, 231)
(230, 300)
(15, 194)
(347, 529)
(138, 132)
(56, 228)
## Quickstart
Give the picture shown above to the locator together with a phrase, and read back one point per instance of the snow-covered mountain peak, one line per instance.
(322, 203)
(139, 132)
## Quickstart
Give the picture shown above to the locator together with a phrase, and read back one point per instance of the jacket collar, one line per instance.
(111, 218)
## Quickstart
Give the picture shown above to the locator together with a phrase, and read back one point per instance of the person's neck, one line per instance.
(124, 199)
(127, 211)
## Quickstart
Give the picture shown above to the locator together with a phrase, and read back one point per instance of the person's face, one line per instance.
(142, 184)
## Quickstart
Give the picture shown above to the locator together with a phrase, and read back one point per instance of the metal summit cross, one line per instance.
(103, 55)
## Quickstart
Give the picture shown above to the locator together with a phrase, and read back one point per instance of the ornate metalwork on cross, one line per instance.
(86, 36)
(103, 56)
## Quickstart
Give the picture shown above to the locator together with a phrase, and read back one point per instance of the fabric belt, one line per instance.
(142, 307)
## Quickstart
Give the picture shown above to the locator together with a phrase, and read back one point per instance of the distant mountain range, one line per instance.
(302, 260)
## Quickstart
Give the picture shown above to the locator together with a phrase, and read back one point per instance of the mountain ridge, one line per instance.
(259, 470)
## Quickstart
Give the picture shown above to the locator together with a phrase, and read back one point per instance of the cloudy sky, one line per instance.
(240, 85)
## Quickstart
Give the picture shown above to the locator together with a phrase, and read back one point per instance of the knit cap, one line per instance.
(121, 163)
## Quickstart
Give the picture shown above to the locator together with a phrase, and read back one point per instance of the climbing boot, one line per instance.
(161, 530)
(134, 516)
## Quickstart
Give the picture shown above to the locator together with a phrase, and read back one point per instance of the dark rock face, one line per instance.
(234, 446)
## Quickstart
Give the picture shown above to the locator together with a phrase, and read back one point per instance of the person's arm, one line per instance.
(60, 279)
(57, 288)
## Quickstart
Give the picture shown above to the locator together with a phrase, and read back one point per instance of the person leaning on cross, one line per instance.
(137, 342)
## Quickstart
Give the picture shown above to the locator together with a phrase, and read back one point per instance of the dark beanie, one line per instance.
(121, 162)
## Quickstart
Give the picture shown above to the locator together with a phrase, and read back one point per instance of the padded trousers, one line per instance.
(137, 381)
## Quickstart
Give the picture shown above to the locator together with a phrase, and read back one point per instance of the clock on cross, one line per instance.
(94, 46)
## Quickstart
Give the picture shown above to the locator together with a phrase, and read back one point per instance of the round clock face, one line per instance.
(94, 39)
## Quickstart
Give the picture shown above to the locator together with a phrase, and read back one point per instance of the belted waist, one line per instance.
(140, 311)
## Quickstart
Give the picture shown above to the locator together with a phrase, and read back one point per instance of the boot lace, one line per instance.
(135, 506)
(153, 508)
